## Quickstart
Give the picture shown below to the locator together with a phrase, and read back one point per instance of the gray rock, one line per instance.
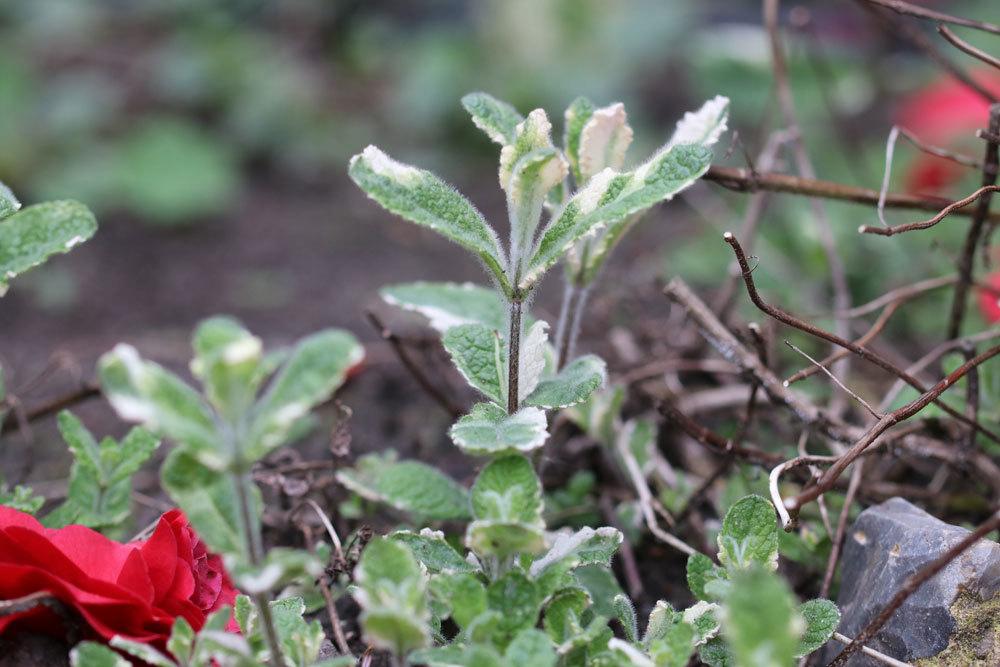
(888, 543)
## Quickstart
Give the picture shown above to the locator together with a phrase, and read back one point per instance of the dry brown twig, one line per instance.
(908, 9)
(967, 48)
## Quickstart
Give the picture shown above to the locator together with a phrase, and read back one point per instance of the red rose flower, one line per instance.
(989, 301)
(943, 114)
(135, 590)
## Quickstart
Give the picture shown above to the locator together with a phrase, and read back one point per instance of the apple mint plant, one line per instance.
(219, 435)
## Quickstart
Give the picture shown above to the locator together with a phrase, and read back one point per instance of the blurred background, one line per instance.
(211, 138)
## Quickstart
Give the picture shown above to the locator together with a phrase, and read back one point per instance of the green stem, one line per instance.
(254, 555)
(514, 355)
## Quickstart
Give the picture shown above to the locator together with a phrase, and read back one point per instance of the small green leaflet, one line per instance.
(92, 654)
(8, 202)
(21, 498)
(392, 592)
(700, 571)
(508, 489)
(496, 118)
(625, 613)
(446, 305)
(502, 539)
(660, 620)
(462, 592)
(822, 618)
(407, 486)
(431, 549)
(518, 601)
(573, 384)
(478, 354)
(33, 234)
(749, 535)
(530, 648)
(100, 483)
(421, 197)
(610, 197)
(488, 429)
(703, 617)
(674, 648)
(759, 620)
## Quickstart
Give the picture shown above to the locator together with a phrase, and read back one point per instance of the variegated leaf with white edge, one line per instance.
(704, 618)
(577, 114)
(144, 392)
(821, 618)
(532, 177)
(421, 197)
(316, 368)
(508, 489)
(31, 235)
(532, 134)
(604, 140)
(479, 355)
(704, 126)
(531, 362)
(498, 119)
(587, 546)
(610, 197)
(573, 384)
(430, 548)
(489, 430)
(446, 305)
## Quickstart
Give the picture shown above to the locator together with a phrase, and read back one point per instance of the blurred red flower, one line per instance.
(943, 114)
(989, 301)
(135, 590)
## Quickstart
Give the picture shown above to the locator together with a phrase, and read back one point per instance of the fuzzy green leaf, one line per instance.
(407, 486)
(496, 118)
(421, 197)
(508, 489)
(8, 202)
(431, 549)
(822, 618)
(207, 498)
(92, 654)
(181, 642)
(574, 384)
(530, 648)
(625, 613)
(392, 592)
(316, 368)
(518, 601)
(610, 198)
(100, 482)
(661, 619)
(760, 623)
(716, 653)
(33, 234)
(300, 641)
(674, 649)
(144, 392)
(700, 571)
(503, 538)
(532, 177)
(463, 593)
(488, 430)
(478, 354)
(144, 652)
(446, 305)
(458, 655)
(587, 546)
(564, 613)
(749, 535)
